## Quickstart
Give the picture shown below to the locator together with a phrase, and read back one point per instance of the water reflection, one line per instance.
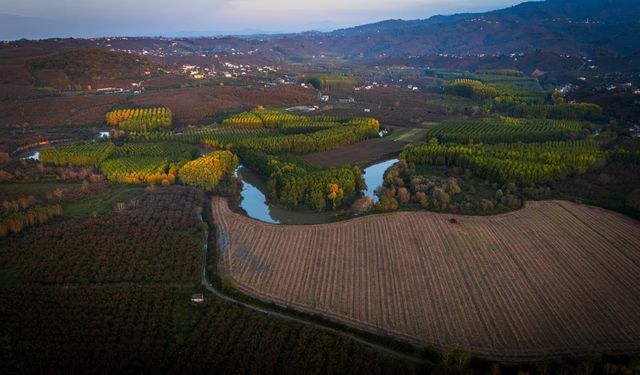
(254, 200)
(33, 156)
(374, 177)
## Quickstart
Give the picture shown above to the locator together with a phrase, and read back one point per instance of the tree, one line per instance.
(461, 359)
(633, 200)
(387, 200)
(557, 97)
(454, 188)
(441, 196)
(207, 172)
(336, 194)
(403, 195)
(362, 205)
(423, 199)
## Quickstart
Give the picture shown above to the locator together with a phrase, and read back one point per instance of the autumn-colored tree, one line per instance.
(453, 186)
(557, 97)
(387, 201)
(423, 199)
(442, 196)
(17, 221)
(362, 205)
(403, 195)
(207, 172)
(335, 194)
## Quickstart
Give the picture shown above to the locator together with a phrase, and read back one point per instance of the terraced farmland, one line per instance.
(555, 278)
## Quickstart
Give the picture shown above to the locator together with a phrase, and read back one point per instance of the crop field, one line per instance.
(111, 294)
(140, 119)
(360, 153)
(504, 130)
(365, 152)
(121, 328)
(555, 278)
(151, 239)
(189, 106)
(520, 163)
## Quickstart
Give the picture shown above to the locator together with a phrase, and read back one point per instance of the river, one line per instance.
(34, 155)
(254, 200)
(374, 177)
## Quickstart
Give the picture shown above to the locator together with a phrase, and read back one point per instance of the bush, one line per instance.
(362, 205)
(633, 199)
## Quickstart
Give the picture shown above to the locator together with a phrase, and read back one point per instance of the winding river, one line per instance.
(34, 155)
(374, 177)
(254, 200)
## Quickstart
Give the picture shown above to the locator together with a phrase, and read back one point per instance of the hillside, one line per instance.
(76, 69)
(594, 26)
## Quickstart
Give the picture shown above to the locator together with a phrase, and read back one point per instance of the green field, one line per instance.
(101, 203)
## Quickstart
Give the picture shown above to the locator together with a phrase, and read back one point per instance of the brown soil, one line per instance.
(555, 278)
(361, 153)
(189, 105)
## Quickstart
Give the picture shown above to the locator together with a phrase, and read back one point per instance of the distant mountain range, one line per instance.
(561, 26)
(587, 27)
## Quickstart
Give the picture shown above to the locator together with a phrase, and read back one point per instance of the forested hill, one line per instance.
(561, 26)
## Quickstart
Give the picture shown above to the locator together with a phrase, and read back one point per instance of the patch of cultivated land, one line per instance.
(366, 152)
(189, 105)
(555, 278)
(360, 153)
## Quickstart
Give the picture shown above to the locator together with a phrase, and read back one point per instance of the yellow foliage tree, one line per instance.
(336, 194)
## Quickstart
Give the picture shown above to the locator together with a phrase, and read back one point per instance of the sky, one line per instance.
(89, 18)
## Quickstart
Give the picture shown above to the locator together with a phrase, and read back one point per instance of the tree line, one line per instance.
(294, 183)
(521, 163)
(140, 119)
(506, 130)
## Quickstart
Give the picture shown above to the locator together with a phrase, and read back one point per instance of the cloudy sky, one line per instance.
(85, 18)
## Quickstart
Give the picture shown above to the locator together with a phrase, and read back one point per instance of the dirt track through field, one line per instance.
(555, 278)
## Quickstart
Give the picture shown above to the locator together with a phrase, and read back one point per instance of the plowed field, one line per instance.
(555, 278)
